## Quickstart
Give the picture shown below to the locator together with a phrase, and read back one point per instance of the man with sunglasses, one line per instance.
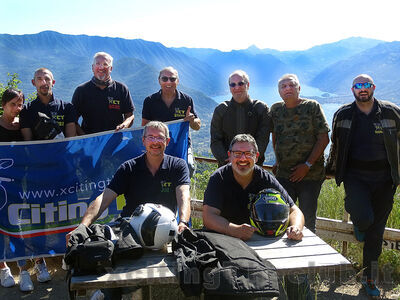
(103, 103)
(239, 115)
(170, 104)
(364, 155)
(299, 136)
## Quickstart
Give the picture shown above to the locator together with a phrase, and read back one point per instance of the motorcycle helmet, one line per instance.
(154, 224)
(269, 213)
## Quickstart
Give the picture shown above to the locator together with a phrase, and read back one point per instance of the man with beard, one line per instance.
(34, 113)
(239, 115)
(364, 155)
(226, 197)
(103, 103)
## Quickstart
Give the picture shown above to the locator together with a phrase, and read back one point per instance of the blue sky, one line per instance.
(220, 24)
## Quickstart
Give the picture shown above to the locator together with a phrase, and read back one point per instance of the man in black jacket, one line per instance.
(364, 156)
(239, 115)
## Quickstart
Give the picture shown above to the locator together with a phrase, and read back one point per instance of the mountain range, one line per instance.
(203, 72)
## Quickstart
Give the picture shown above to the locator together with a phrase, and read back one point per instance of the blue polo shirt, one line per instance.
(224, 193)
(102, 109)
(58, 110)
(139, 186)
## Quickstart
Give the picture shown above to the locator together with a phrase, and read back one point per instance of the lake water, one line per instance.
(270, 95)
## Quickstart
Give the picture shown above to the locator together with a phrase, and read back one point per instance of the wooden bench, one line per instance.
(311, 255)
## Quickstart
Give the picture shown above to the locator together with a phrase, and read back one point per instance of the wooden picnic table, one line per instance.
(310, 255)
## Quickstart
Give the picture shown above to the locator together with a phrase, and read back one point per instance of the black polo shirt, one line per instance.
(368, 156)
(102, 109)
(224, 193)
(58, 110)
(139, 186)
(155, 109)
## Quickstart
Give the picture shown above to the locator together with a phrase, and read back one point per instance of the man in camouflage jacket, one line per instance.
(299, 136)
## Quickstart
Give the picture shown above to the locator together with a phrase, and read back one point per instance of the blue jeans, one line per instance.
(306, 192)
(369, 205)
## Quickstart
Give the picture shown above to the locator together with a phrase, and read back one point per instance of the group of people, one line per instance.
(364, 153)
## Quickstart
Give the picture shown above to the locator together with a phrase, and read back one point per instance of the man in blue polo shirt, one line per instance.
(34, 113)
(103, 103)
(153, 177)
(170, 104)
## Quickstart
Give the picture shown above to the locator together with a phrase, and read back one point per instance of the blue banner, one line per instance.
(46, 187)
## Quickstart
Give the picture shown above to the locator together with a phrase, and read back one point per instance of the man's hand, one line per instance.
(294, 233)
(182, 227)
(243, 231)
(298, 172)
(68, 236)
(189, 116)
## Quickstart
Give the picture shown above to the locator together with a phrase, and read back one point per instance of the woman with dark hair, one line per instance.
(12, 102)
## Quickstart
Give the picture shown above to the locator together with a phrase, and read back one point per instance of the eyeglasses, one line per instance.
(247, 154)
(233, 84)
(155, 139)
(366, 85)
(166, 78)
(103, 65)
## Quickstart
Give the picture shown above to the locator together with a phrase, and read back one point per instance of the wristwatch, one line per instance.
(309, 165)
(183, 222)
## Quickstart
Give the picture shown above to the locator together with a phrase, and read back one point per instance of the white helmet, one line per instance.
(154, 224)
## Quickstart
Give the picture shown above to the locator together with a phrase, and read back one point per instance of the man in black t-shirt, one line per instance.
(103, 103)
(60, 112)
(153, 177)
(227, 194)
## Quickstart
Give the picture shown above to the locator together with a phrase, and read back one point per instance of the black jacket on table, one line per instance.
(389, 116)
(222, 265)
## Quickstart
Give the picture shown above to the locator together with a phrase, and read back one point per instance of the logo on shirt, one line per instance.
(165, 186)
(58, 118)
(113, 103)
(378, 128)
(179, 113)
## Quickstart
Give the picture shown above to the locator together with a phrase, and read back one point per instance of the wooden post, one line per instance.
(344, 243)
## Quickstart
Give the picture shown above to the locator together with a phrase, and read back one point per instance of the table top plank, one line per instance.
(310, 255)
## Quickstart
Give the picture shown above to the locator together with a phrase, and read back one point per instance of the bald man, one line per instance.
(364, 155)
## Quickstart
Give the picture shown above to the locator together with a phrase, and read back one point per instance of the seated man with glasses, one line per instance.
(152, 177)
(239, 115)
(226, 197)
(170, 104)
(103, 103)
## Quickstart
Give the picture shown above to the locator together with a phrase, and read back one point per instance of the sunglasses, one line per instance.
(165, 79)
(366, 85)
(233, 84)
